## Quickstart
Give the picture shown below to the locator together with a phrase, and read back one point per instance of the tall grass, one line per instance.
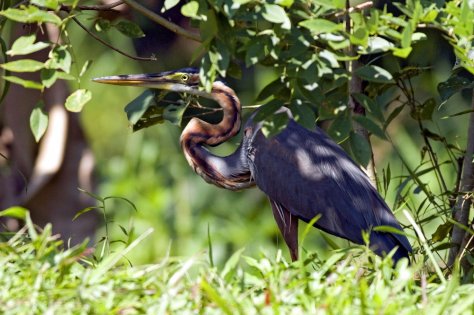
(39, 276)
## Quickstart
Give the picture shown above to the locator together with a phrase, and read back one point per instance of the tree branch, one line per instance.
(355, 86)
(463, 204)
(104, 7)
(110, 46)
(162, 21)
(359, 7)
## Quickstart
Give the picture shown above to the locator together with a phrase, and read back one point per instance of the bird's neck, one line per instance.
(229, 172)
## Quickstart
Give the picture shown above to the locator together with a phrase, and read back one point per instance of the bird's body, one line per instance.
(321, 179)
(303, 172)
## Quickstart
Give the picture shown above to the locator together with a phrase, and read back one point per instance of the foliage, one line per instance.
(310, 44)
(39, 277)
(60, 64)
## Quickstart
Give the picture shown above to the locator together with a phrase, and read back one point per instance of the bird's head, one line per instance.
(184, 80)
(150, 108)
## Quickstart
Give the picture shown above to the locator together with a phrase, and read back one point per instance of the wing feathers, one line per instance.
(308, 174)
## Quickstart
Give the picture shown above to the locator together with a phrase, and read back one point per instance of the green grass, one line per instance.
(38, 276)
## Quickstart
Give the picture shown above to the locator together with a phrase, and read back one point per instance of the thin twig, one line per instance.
(359, 7)
(110, 46)
(355, 86)
(162, 21)
(19, 4)
(424, 243)
(447, 32)
(104, 7)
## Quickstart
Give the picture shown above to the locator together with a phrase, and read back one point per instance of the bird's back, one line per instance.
(309, 174)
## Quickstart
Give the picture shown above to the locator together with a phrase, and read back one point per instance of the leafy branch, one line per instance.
(152, 58)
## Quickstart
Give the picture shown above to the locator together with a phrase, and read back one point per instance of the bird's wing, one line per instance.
(309, 174)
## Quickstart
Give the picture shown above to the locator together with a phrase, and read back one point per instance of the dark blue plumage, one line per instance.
(308, 174)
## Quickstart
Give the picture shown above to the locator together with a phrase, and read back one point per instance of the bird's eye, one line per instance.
(184, 77)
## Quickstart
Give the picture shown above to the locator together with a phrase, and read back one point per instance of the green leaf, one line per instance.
(285, 3)
(129, 29)
(85, 210)
(220, 57)
(50, 4)
(85, 67)
(360, 36)
(340, 128)
(216, 298)
(102, 25)
(331, 4)
(65, 76)
(376, 44)
(317, 26)
(255, 52)
(315, 96)
(146, 110)
(38, 121)
(370, 105)
(360, 148)
(48, 77)
(59, 58)
(174, 112)
(31, 14)
(330, 57)
(374, 74)
(169, 4)
(429, 15)
(275, 14)
(370, 126)
(25, 83)
(453, 85)
(14, 212)
(136, 108)
(76, 101)
(3, 56)
(25, 45)
(406, 36)
(231, 264)
(209, 28)
(274, 125)
(427, 109)
(418, 36)
(392, 115)
(441, 232)
(303, 114)
(190, 9)
(402, 52)
(266, 110)
(388, 229)
(23, 65)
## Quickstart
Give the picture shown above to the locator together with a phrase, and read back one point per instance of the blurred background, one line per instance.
(148, 168)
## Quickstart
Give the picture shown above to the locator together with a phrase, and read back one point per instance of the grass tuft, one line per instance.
(38, 276)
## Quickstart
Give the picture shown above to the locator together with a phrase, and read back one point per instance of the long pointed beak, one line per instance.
(144, 80)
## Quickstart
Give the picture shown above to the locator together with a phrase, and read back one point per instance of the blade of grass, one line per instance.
(112, 260)
(424, 243)
(211, 259)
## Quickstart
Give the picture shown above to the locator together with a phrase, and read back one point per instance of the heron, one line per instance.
(303, 172)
